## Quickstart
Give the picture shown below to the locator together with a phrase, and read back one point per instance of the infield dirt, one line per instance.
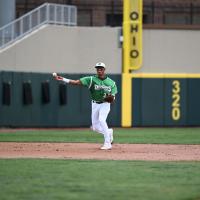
(153, 152)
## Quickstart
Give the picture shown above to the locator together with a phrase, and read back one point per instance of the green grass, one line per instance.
(39, 179)
(98, 180)
(133, 135)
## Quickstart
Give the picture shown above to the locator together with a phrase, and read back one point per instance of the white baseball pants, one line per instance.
(99, 115)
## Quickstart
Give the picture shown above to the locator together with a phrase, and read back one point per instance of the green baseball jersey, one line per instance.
(99, 88)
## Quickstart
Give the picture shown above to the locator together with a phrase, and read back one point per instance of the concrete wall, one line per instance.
(77, 49)
(171, 51)
(64, 49)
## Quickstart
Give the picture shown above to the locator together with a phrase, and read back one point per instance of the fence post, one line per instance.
(47, 13)
(191, 13)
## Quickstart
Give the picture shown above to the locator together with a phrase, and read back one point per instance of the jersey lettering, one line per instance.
(102, 87)
(99, 88)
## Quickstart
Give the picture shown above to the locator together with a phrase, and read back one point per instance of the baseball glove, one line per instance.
(109, 98)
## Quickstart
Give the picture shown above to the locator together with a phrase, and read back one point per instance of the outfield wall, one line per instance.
(166, 101)
(36, 100)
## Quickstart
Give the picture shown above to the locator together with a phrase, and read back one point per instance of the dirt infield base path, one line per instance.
(153, 152)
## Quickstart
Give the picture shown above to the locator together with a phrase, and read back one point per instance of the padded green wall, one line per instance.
(76, 113)
(153, 101)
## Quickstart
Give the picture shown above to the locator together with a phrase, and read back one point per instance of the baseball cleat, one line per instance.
(111, 135)
(91, 128)
(106, 147)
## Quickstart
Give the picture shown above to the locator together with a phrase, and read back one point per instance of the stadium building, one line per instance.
(109, 12)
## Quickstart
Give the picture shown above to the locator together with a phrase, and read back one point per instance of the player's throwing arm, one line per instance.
(66, 80)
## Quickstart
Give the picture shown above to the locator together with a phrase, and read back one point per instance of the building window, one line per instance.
(176, 18)
(148, 18)
(196, 19)
(85, 18)
(114, 19)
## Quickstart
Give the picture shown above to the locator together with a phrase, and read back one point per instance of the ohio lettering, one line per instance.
(134, 53)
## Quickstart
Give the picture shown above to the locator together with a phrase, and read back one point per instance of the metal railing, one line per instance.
(44, 14)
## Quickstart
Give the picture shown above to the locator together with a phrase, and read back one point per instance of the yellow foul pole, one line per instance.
(132, 53)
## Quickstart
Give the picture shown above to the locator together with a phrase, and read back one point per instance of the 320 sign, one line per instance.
(176, 99)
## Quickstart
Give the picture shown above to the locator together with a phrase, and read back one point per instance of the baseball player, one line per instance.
(102, 90)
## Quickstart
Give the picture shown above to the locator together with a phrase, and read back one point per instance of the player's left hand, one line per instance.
(109, 98)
